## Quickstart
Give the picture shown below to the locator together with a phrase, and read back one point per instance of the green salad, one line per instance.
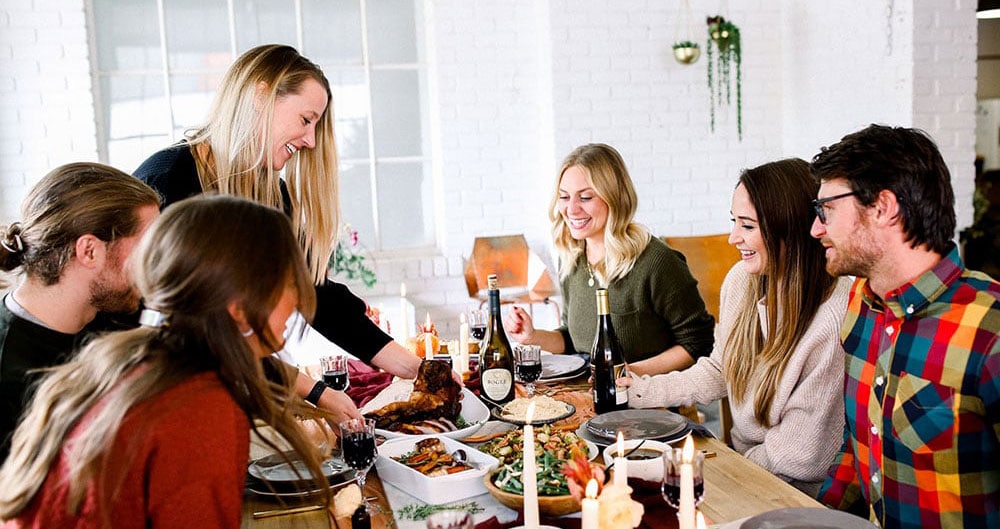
(551, 481)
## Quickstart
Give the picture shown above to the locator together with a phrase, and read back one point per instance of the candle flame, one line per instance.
(402, 290)
(700, 521)
(592, 489)
(530, 413)
(687, 454)
(621, 445)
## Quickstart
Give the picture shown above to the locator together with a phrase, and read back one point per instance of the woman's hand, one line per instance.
(340, 405)
(519, 326)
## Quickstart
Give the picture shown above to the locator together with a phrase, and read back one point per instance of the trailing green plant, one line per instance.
(686, 44)
(724, 38)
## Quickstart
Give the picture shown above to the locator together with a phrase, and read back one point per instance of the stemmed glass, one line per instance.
(357, 437)
(528, 360)
(671, 488)
(335, 372)
(477, 324)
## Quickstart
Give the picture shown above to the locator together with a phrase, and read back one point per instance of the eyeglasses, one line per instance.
(820, 202)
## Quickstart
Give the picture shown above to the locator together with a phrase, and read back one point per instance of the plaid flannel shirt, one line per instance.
(922, 402)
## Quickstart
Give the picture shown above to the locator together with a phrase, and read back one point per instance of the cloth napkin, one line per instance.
(657, 514)
(366, 382)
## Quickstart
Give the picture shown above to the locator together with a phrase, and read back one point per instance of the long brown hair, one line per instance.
(198, 257)
(795, 282)
(238, 158)
(624, 240)
(73, 200)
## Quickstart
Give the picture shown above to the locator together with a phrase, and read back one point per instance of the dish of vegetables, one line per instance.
(558, 443)
(551, 481)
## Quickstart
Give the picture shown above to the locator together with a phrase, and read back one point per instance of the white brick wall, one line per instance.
(516, 85)
(46, 103)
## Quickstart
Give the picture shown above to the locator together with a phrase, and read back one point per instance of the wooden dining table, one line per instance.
(735, 488)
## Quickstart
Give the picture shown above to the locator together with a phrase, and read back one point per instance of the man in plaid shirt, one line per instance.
(922, 436)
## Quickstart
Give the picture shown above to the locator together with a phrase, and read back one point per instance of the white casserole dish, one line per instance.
(436, 490)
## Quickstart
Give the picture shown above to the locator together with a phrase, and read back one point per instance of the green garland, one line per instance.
(416, 511)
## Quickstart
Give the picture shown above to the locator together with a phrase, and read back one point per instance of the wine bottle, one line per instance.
(496, 359)
(607, 361)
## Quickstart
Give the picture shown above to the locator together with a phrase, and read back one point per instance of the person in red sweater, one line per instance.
(150, 427)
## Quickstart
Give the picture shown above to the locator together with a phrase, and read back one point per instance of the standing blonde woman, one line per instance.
(657, 312)
(273, 116)
(150, 427)
(777, 354)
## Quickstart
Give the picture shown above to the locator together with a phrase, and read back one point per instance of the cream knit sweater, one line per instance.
(808, 409)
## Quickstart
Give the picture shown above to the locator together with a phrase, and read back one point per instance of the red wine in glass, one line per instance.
(337, 380)
(672, 490)
(529, 372)
(359, 450)
(477, 332)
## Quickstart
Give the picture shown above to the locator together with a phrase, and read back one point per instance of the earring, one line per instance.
(247, 333)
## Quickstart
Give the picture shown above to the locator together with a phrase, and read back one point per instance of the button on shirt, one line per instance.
(922, 433)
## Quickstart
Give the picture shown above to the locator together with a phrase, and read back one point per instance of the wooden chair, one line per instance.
(710, 257)
(521, 274)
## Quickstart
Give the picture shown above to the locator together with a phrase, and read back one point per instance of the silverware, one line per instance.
(281, 512)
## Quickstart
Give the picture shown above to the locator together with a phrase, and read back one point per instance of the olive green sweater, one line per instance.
(654, 307)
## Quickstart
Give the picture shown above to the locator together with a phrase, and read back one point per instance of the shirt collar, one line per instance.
(913, 297)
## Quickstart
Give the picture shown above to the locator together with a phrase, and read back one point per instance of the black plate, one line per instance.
(273, 475)
(806, 517)
(496, 414)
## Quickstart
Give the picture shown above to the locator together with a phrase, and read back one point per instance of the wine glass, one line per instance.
(528, 360)
(477, 324)
(450, 520)
(335, 372)
(357, 438)
(671, 487)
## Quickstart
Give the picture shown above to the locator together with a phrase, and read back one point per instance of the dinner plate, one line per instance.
(272, 475)
(602, 441)
(497, 413)
(261, 488)
(558, 366)
(474, 412)
(806, 518)
(636, 424)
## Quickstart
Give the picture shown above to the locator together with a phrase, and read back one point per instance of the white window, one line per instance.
(157, 64)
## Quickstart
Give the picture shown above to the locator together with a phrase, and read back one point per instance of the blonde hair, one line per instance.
(71, 201)
(795, 283)
(624, 240)
(198, 257)
(238, 158)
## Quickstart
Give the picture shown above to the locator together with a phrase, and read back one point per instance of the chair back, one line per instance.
(516, 266)
(709, 257)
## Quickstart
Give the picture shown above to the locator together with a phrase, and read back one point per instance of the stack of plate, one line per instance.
(562, 367)
(658, 425)
(274, 476)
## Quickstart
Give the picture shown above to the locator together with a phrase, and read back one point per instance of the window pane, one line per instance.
(134, 106)
(350, 110)
(264, 22)
(197, 30)
(356, 202)
(127, 35)
(191, 97)
(127, 154)
(405, 205)
(331, 31)
(396, 104)
(392, 33)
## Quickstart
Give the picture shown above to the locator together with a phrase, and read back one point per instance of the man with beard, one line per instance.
(80, 224)
(922, 434)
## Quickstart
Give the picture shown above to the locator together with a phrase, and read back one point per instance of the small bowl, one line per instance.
(551, 506)
(648, 469)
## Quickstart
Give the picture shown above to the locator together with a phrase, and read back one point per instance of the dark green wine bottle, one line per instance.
(607, 361)
(496, 359)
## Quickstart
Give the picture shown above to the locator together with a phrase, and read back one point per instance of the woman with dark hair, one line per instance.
(777, 353)
(150, 427)
(658, 314)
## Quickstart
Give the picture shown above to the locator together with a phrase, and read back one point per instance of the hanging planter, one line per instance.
(724, 51)
(687, 52)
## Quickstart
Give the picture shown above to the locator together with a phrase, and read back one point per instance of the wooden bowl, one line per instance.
(550, 506)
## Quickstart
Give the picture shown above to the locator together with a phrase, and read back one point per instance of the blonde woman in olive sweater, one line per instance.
(784, 375)
(657, 312)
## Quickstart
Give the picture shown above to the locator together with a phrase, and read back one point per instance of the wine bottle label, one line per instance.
(496, 383)
(621, 392)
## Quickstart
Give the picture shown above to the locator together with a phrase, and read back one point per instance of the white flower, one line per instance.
(617, 509)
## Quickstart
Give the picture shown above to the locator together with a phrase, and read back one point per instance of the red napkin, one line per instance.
(366, 382)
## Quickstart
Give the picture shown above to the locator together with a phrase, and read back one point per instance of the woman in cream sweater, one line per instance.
(784, 375)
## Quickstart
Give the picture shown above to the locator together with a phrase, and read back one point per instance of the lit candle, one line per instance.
(404, 324)
(621, 463)
(590, 506)
(530, 475)
(701, 521)
(428, 346)
(685, 513)
(463, 345)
